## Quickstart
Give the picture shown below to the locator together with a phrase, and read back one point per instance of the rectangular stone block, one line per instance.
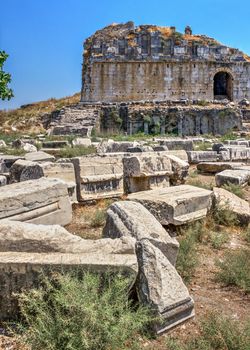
(99, 176)
(195, 157)
(176, 205)
(40, 201)
(236, 177)
(20, 271)
(216, 167)
(177, 144)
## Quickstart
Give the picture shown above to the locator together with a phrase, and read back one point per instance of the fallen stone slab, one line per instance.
(55, 144)
(139, 149)
(82, 141)
(22, 271)
(111, 146)
(237, 153)
(195, 157)
(6, 161)
(25, 237)
(124, 219)
(39, 156)
(175, 205)
(99, 176)
(181, 154)
(236, 177)
(41, 201)
(160, 288)
(216, 167)
(237, 205)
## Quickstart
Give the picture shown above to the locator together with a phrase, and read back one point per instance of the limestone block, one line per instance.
(195, 157)
(2, 144)
(6, 162)
(216, 167)
(124, 219)
(236, 177)
(177, 144)
(21, 270)
(23, 170)
(146, 172)
(25, 237)
(179, 169)
(160, 287)
(82, 141)
(27, 147)
(178, 153)
(112, 146)
(99, 176)
(55, 144)
(159, 148)
(139, 149)
(39, 156)
(3, 180)
(175, 205)
(41, 201)
(237, 205)
(238, 153)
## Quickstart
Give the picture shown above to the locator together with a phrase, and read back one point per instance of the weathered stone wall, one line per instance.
(137, 81)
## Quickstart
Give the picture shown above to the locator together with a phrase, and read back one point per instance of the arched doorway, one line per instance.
(223, 86)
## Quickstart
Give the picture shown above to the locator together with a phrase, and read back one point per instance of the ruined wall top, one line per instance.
(122, 42)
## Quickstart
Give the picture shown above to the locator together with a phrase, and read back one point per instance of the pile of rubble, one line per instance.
(36, 196)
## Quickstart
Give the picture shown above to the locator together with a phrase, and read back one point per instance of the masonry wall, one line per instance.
(143, 80)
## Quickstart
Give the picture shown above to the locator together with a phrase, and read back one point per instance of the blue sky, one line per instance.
(44, 37)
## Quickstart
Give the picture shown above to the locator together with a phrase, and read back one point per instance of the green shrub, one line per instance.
(71, 313)
(222, 215)
(99, 218)
(218, 239)
(246, 234)
(12, 151)
(187, 259)
(217, 333)
(202, 146)
(234, 269)
(235, 189)
(78, 151)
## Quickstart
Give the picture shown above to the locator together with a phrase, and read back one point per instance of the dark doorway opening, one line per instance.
(223, 86)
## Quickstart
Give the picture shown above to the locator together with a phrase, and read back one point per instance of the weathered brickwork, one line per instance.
(128, 63)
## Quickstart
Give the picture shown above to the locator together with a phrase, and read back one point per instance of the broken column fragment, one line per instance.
(131, 219)
(41, 201)
(160, 287)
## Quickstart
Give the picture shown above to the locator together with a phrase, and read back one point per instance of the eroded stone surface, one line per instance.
(131, 219)
(236, 177)
(175, 205)
(161, 288)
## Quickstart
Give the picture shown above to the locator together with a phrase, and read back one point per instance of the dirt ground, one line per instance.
(208, 294)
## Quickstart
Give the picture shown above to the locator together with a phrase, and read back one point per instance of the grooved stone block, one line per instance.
(176, 205)
(236, 177)
(41, 201)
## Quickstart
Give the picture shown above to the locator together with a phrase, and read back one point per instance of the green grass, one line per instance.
(89, 313)
(187, 259)
(234, 269)
(12, 151)
(99, 218)
(78, 151)
(198, 183)
(202, 146)
(217, 332)
(222, 215)
(218, 239)
(235, 189)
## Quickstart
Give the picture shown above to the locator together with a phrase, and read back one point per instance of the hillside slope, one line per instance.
(28, 117)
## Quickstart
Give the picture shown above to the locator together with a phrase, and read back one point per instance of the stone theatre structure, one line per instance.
(124, 63)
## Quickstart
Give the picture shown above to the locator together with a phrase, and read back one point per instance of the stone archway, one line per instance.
(223, 86)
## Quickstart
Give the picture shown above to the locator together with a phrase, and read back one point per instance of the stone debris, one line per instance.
(41, 201)
(111, 146)
(177, 144)
(176, 205)
(82, 141)
(236, 177)
(240, 207)
(99, 176)
(149, 171)
(124, 219)
(195, 157)
(39, 156)
(161, 288)
(216, 167)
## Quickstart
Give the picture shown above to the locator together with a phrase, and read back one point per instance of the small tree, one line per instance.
(5, 79)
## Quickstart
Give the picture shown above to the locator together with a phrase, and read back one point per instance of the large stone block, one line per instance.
(124, 219)
(24, 237)
(176, 205)
(41, 201)
(161, 288)
(240, 207)
(195, 157)
(177, 144)
(99, 176)
(236, 177)
(216, 167)
(39, 156)
(21, 270)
